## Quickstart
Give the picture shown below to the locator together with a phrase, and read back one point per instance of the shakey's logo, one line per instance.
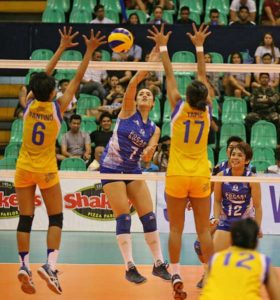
(8, 200)
(91, 202)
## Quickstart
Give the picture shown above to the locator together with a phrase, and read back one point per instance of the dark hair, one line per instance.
(197, 93)
(63, 81)
(158, 6)
(267, 54)
(143, 88)
(239, 55)
(184, 8)
(97, 7)
(244, 148)
(75, 117)
(133, 14)
(208, 53)
(244, 233)
(234, 138)
(213, 10)
(272, 44)
(165, 138)
(244, 7)
(105, 114)
(42, 85)
(261, 74)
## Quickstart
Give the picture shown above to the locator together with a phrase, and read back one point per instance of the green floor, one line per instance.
(101, 248)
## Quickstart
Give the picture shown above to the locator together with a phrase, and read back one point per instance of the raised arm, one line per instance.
(161, 41)
(92, 44)
(66, 41)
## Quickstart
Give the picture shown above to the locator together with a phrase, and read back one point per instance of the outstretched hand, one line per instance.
(199, 35)
(94, 41)
(159, 37)
(66, 38)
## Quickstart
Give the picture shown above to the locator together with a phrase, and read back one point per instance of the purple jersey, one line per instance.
(127, 143)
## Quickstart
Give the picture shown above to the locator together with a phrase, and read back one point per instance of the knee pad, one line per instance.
(149, 222)
(25, 223)
(56, 220)
(123, 224)
(197, 249)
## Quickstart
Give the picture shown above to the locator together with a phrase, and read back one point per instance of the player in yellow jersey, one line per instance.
(36, 165)
(188, 175)
(239, 271)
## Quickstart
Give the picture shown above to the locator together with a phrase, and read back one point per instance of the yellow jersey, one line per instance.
(236, 274)
(41, 125)
(189, 135)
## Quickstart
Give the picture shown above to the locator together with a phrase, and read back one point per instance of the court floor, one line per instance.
(91, 267)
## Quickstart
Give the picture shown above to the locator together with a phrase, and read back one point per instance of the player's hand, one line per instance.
(66, 38)
(159, 37)
(200, 35)
(94, 41)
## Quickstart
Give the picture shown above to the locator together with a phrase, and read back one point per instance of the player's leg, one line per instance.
(140, 196)
(117, 196)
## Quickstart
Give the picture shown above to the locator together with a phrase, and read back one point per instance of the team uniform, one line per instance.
(37, 158)
(123, 152)
(236, 201)
(236, 273)
(188, 171)
(224, 165)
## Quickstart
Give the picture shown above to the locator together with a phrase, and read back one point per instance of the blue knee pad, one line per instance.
(123, 224)
(149, 222)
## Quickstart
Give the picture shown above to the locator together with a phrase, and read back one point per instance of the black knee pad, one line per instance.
(56, 220)
(25, 223)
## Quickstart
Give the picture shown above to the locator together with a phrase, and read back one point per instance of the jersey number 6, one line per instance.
(38, 134)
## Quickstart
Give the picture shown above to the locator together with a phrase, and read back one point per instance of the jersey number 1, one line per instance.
(37, 133)
(187, 131)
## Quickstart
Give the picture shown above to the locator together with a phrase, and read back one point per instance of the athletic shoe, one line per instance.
(161, 271)
(177, 284)
(134, 276)
(50, 277)
(25, 277)
(200, 283)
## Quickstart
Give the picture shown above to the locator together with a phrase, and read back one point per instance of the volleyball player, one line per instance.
(135, 138)
(188, 174)
(239, 271)
(36, 166)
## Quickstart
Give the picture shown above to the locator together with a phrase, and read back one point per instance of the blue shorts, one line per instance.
(225, 223)
(113, 171)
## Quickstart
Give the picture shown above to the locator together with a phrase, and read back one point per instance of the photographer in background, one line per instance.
(161, 156)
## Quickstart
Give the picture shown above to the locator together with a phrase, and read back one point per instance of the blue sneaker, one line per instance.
(50, 277)
(133, 275)
(177, 284)
(161, 271)
(25, 278)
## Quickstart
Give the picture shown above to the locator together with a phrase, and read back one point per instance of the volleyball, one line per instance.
(120, 40)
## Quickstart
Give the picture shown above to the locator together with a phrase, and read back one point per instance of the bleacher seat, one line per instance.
(230, 129)
(63, 5)
(53, 15)
(62, 131)
(217, 58)
(106, 56)
(183, 57)
(263, 134)
(155, 112)
(165, 129)
(80, 16)
(215, 109)
(84, 4)
(64, 74)
(112, 15)
(260, 165)
(234, 110)
(87, 102)
(72, 55)
(41, 54)
(88, 125)
(222, 154)
(194, 6)
(193, 16)
(166, 16)
(166, 112)
(16, 131)
(73, 164)
(111, 5)
(12, 150)
(141, 15)
(221, 5)
(182, 82)
(8, 163)
(264, 154)
(210, 153)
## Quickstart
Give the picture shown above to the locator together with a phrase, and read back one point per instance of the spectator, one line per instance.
(133, 19)
(94, 80)
(76, 143)
(100, 15)
(236, 83)
(214, 16)
(95, 165)
(184, 16)
(275, 169)
(148, 5)
(273, 77)
(264, 103)
(149, 166)
(212, 78)
(235, 6)
(115, 96)
(158, 12)
(120, 77)
(267, 46)
(161, 156)
(243, 17)
(271, 12)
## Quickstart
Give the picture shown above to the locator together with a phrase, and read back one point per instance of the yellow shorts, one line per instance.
(187, 186)
(24, 178)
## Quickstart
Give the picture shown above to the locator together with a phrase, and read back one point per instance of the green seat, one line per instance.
(53, 15)
(194, 6)
(141, 15)
(165, 129)
(222, 18)
(217, 58)
(263, 134)
(12, 150)
(16, 131)
(183, 57)
(230, 129)
(84, 4)
(166, 16)
(215, 109)
(8, 163)
(88, 125)
(62, 131)
(195, 17)
(111, 5)
(166, 112)
(64, 74)
(106, 56)
(73, 164)
(80, 16)
(260, 165)
(264, 154)
(41, 54)
(112, 15)
(86, 102)
(63, 5)
(155, 112)
(234, 110)
(27, 76)
(182, 82)
(221, 5)
(210, 153)
(222, 154)
(72, 55)
(260, 10)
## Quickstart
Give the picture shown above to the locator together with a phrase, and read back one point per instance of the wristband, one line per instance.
(199, 49)
(162, 48)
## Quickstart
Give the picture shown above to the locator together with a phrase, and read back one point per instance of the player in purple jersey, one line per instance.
(135, 138)
(234, 201)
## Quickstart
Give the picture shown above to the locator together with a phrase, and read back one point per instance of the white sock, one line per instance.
(124, 242)
(52, 258)
(175, 269)
(153, 241)
(24, 259)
